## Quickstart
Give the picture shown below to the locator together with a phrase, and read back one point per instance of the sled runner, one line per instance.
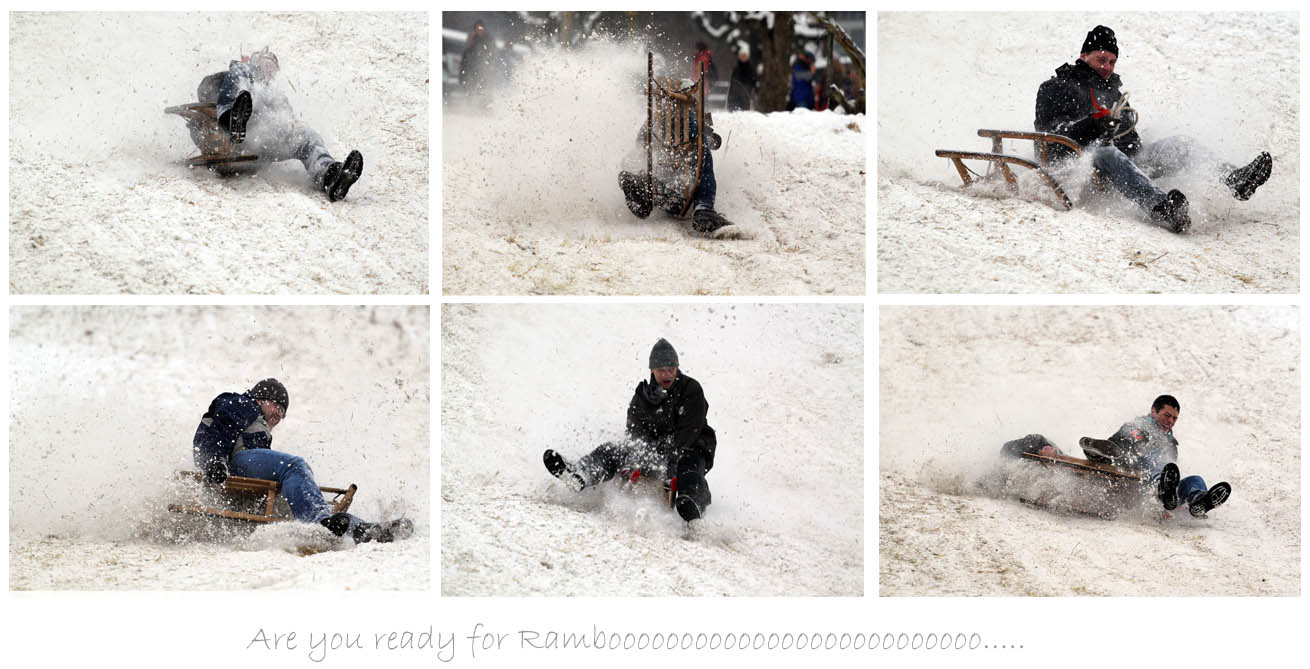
(248, 499)
(999, 162)
(217, 150)
(676, 127)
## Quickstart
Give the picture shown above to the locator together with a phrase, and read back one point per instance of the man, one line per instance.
(481, 65)
(235, 437)
(1083, 101)
(742, 86)
(1148, 443)
(253, 111)
(802, 81)
(667, 435)
(668, 195)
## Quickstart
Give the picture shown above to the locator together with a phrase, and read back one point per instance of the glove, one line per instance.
(216, 472)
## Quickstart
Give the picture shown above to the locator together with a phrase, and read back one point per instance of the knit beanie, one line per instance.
(272, 390)
(1100, 38)
(663, 355)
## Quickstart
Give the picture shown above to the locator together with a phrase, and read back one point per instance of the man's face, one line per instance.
(1166, 417)
(273, 413)
(664, 376)
(1101, 61)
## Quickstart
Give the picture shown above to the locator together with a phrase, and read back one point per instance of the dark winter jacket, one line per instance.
(1143, 444)
(1066, 104)
(742, 87)
(232, 424)
(673, 421)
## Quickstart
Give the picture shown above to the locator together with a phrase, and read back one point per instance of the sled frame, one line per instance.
(631, 478)
(216, 148)
(670, 110)
(245, 488)
(1000, 162)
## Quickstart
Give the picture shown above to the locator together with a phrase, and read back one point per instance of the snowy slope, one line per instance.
(1231, 81)
(784, 384)
(955, 383)
(531, 203)
(105, 400)
(99, 200)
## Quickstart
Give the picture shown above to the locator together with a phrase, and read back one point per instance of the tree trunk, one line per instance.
(777, 45)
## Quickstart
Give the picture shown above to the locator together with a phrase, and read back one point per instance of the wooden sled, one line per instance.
(999, 162)
(251, 500)
(217, 150)
(676, 127)
(634, 479)
(1111, 489)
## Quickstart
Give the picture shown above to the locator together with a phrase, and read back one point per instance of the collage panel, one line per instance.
(141, 440)
(652, 450)
(584, 154)
(218, 153)
(1009, 163)
(1104, 451)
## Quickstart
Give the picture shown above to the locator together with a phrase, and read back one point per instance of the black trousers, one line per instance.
(608, 459)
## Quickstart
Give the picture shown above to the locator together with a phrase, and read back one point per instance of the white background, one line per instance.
(213, 629)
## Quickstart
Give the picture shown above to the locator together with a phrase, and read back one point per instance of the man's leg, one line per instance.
(1166, 209)
(298, 485)
(1176, 154)
(1190, 487)
(693, 490)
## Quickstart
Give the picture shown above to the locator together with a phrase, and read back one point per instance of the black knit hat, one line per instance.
(272, 390)
(1100, 38)
(663, 355)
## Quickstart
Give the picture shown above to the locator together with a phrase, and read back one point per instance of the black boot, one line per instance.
(560, 469)
(707, 221)
(687, 508)
(639, 198)
(339, 177)
(1166, 489)
(383, 533)
(1244, 180)
(1202, 504)
(1171, 213)
(337, 523)
(234, 121)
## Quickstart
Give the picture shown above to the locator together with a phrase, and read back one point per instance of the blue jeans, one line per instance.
(1190, 487)
(1132, 177)
(298, 485)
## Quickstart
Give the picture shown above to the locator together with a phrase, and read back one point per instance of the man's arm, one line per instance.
(690, 421)
(1060, 111)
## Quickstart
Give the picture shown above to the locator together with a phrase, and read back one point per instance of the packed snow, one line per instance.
(957, 382)
(1232, 81)
(785, 391)
(101, 202)
(105, 400)
(531, 203)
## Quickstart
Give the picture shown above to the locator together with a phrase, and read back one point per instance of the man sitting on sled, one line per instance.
(1083, 101)
(254, 111)
(667, 435)
(235, 437)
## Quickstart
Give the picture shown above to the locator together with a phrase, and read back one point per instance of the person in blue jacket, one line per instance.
(252, 110)
(235, 437)
(802, 81)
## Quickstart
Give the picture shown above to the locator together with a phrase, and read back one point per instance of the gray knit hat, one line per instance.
(663, 355)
